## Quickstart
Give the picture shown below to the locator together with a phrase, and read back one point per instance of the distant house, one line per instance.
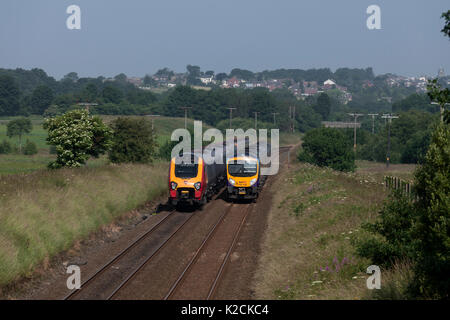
(206, 79)
(329, 82)
(136, 81)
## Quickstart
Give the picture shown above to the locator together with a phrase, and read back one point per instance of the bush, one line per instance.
(133, 141)
(433, 224)
(165, 151)
(328, 147)
(77, 136)
(5, 147)
(392, 238)
(30, 148)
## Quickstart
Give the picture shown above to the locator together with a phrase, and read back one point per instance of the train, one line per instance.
(195, 182)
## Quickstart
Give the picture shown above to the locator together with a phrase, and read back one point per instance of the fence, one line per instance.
(395, 183)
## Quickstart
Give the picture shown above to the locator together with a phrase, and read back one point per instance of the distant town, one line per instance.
(166, 78)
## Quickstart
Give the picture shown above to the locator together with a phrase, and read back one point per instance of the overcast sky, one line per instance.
(141, 36)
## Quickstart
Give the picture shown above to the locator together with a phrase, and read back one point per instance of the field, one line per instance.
(316, 215)
(47, 211)
(17, 163)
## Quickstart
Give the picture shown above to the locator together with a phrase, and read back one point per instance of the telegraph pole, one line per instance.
(231, 115)
(373, 121)
(185, 115)
(256, 121)
(355, 115)
(389, 117)
(292, 117)
(152, 117)
(274, 119)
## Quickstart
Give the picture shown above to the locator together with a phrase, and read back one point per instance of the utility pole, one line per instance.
(152, 117)
(274, 119)
(355, 115)
(373, 121)
(256, 121)
(389, 117)
(185, 115)
(231, 115)
(442, 107)
(292, 117)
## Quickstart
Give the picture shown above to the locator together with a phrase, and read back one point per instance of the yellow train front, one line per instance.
(243, 176)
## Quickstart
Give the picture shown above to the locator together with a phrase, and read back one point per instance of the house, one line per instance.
(206, 79)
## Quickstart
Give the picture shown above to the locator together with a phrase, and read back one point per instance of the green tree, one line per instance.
(30, 148)
(446, 29)
(19, 127)
(112, 95)
(323, 106)
(432, 181)
(328, 147)
(133, 141)
(41, 99)
(76, 137)
(9, 96)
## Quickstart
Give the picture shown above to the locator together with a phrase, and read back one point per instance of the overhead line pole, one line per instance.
(185, 115)
(152, 117)
(355, 115)
(388, 154)
(373, 121)
(256, 120)
(231, 115)
(274, 120)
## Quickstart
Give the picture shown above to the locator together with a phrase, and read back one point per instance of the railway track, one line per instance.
(121, 273)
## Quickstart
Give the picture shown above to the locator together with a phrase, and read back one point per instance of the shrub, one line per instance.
(133, 141)
(165, 151)
(433, 224)
(392, 238)
(77, 136)
(328, 147)
(5, 147)
(30, 148)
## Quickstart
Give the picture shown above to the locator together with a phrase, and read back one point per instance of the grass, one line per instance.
(45, 212)
(316, 215)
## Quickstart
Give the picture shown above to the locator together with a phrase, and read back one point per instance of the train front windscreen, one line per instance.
(186, 170)
(245, 169)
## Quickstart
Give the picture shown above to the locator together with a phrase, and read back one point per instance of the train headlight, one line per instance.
(197, 185)
(173, 185)
(253, 181)
(231, 181)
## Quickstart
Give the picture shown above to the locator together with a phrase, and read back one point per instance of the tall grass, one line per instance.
(45, 212)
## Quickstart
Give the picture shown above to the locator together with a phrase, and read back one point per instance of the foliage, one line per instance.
(30, 148)
(392, 238)
(432, 231)
(133, 141)
(5, 147)
(446, 29)
(9, 95)
(323, 106)
(77, 136)
(165, 151)
(19, 127)
(328, 147)
(41, 99)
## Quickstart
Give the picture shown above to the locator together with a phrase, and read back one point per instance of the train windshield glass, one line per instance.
(186, 170)
(246, 169)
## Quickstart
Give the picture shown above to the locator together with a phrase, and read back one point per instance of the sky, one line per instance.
(138, 37)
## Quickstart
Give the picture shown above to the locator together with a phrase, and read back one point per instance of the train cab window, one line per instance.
(186, 170)
(245, 169)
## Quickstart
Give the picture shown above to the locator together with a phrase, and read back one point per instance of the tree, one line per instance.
(323, 106)
(71, 76)
(19, 127)
(193, 75)
(9, 96)
(112, 94)
(446, 29)
(76, 137)
(221, 76)
(328, 147)
(432, 181)
(121, 77)
(41, 99)
(133, 141)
